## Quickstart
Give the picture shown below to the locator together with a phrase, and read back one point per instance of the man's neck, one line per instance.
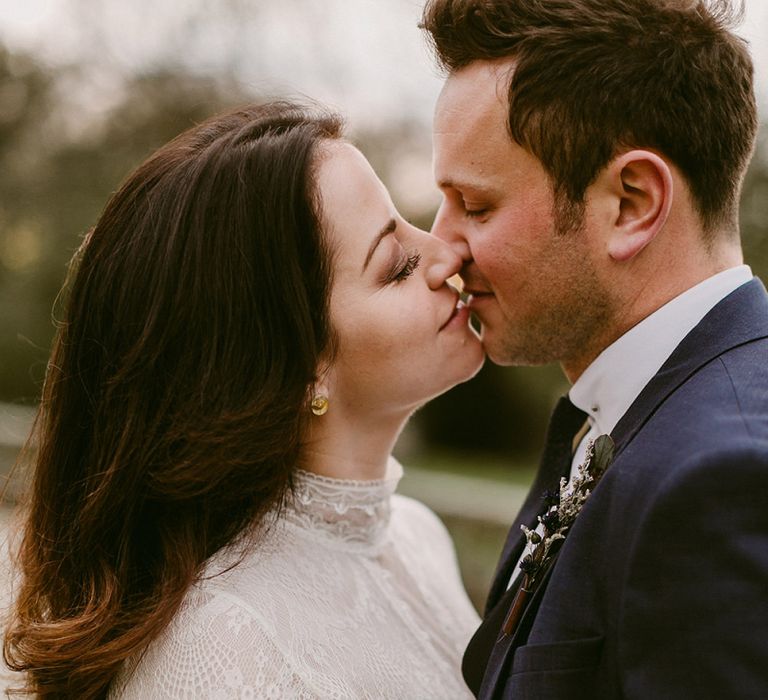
(648, 293)
(615, 377)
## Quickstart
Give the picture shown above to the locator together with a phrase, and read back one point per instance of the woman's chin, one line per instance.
(475, 359)
(477, 365)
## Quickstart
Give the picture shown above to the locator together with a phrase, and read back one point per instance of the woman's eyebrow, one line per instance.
(389, 228)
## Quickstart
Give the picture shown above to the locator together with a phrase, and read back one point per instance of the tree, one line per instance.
(54, 181)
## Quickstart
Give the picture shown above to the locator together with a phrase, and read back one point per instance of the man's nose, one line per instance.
(449, 229)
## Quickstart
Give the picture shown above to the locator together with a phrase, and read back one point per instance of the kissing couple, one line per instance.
(251, 323)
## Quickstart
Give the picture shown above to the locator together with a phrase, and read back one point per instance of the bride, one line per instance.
(247, 329)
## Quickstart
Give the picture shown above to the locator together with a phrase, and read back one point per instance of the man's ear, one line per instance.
(642, 185)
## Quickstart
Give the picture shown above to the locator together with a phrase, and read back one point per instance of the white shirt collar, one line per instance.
(608, 387)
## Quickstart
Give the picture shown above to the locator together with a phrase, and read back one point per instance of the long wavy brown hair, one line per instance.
(175, 397)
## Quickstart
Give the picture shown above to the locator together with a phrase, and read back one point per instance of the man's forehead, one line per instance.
(473, 97)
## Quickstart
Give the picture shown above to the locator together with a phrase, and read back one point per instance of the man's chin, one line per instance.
(502, 359)
(494, 350)
(505, 355)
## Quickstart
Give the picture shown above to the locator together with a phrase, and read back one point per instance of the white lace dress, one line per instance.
(354, 593)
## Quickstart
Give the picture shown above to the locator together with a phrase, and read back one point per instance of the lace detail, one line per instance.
(353, 593)
(343, 511)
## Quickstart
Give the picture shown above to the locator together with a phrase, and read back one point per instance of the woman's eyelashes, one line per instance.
(404, 268)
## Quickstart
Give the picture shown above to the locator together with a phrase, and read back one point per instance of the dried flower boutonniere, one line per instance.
(562, 509)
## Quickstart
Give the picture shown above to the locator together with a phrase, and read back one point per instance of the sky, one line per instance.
(366, 57)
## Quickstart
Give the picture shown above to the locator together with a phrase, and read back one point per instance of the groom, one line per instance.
(591, 155)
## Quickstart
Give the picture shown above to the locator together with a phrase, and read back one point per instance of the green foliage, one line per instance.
(56, 174)
(503, 410)
(478, 546)
(754, 209)
(25, 98)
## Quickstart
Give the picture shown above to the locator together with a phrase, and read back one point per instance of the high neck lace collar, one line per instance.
(343, 512)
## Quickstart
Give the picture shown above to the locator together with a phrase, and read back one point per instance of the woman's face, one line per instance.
(402, 338)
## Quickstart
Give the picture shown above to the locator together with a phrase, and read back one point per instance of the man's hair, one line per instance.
(594, 77)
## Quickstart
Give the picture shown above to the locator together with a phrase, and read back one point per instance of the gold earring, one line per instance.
(319, 404)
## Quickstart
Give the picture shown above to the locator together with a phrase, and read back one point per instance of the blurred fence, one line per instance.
(15, 424)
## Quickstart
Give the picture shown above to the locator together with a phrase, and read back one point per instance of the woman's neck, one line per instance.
(350, 447)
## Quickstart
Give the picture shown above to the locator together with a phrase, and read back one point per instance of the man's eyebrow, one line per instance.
(389, 228)
(460, 185)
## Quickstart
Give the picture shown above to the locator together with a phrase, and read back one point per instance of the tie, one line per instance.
(565, 423)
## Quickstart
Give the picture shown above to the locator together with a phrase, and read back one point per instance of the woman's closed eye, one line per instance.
(406, 268)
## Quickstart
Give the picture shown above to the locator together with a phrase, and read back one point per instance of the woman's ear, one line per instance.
(320, 391)
(641, 183)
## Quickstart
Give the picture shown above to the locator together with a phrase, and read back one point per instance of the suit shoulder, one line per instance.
(713, 428)
(746, 368)
(723, 405)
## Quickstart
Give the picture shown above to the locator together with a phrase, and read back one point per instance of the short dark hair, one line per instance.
(594, 76)
(177, 393)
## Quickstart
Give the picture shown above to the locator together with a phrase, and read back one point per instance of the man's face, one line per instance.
(534, 289)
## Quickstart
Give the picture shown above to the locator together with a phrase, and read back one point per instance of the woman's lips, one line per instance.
(460, 315)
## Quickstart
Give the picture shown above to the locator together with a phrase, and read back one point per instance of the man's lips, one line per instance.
(477, 299)
(476, 293)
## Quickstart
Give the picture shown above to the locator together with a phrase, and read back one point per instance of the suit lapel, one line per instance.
(501, 654)
(483, 647)
(563, 424)
(513, 547)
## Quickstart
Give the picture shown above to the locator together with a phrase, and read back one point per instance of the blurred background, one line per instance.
(89, 88)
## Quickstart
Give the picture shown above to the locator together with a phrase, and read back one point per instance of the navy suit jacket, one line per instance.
(661, 587)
